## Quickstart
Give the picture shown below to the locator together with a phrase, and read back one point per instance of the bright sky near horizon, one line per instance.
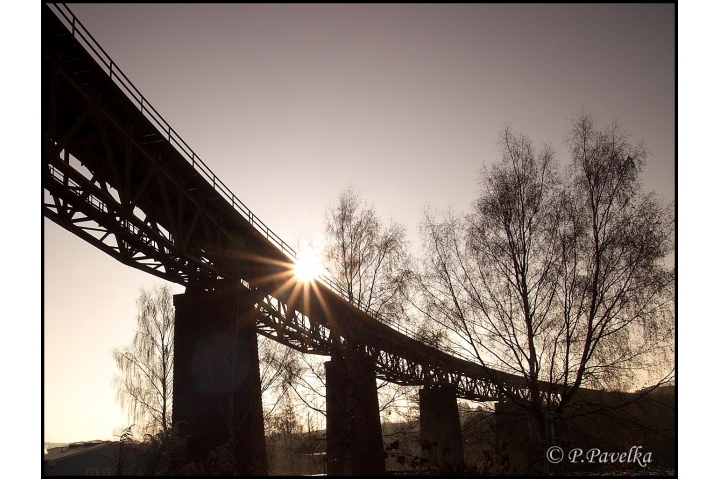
(288, 104)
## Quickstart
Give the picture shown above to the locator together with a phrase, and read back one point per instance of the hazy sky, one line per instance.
(289, 104)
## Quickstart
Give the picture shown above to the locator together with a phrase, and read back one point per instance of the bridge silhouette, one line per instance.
(117, 175)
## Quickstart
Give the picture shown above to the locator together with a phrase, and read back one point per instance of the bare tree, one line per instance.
(557, 278)
(368, 261)
(280, 370)
(617, 293)
(490, 276)
(145, 383)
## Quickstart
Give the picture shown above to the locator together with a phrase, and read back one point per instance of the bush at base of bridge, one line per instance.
(433, 464)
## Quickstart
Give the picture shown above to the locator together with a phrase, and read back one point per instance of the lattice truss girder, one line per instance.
(132, 239)
(276, 320)
(102, 184)
(426, 371)
(110, 178)
(108, 185)
(287, 325)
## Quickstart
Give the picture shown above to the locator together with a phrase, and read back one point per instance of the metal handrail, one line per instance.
(78, 31)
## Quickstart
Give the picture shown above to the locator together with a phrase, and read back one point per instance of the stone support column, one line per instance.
(354, 433)
(514, 426)
(440, 423)
(366, 444)
(217, 397)
(337, 386)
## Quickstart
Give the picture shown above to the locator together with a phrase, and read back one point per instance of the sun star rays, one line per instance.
(295, 283)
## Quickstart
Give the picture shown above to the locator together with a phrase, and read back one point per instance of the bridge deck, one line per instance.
(118, 176)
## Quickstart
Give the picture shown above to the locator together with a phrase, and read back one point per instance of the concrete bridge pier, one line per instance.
(440, 423)
(354, 433)
(366, 446)
(514, 425)
(337, 429)
(216, 389)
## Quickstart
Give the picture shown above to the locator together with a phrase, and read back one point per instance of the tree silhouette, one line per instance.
(368, 260)
(145, 383)
(557, 277)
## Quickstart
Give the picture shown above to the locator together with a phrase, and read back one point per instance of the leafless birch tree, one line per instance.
(368, 260)
(145, 383)
(557, 277)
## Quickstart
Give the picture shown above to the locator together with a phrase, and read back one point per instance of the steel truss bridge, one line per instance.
(117, 175)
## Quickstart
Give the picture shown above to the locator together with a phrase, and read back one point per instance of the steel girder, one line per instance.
(111, 177)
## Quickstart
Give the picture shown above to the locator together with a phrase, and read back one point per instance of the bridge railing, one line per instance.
(108, 66)
(78, 30)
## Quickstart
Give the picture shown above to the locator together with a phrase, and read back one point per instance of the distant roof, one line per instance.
(74, 449)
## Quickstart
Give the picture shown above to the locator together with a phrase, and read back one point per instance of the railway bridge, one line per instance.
(117, 175)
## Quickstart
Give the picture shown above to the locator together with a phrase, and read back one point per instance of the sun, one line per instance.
(308, 265)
